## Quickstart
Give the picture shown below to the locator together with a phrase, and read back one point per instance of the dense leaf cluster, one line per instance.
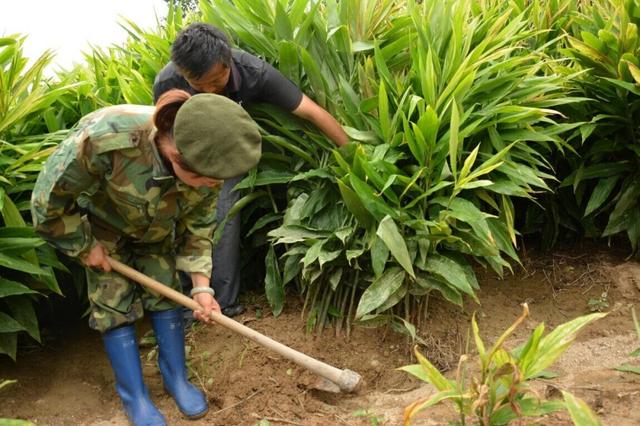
(463, 116)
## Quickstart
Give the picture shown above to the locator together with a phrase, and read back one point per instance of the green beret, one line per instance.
(216, 137)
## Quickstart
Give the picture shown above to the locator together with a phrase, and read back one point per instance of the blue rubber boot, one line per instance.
(169, 331)
(122, 348)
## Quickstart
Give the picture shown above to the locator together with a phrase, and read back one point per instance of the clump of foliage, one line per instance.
(26, 262)
(451, 115)
(497, 390)
(605, 175)
(461, 114)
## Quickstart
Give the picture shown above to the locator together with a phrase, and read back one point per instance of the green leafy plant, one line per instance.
(599, 304)
(26, 263)
(497, 390)
(310, 211)
(374, 419)
(451, 113)
(604, 177)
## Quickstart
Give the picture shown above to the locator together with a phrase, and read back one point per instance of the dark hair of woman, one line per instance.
(165, 115)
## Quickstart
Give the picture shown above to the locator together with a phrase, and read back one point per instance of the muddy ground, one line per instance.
(69, 381)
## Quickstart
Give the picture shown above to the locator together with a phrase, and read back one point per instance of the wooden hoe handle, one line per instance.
(346, 379)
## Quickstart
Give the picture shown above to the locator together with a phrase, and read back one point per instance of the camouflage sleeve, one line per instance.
(195, 231)
(70, 170)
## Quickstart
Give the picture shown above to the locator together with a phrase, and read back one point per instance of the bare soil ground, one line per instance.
(69, 381)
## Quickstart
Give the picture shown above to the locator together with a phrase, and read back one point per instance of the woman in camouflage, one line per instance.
(140, 184)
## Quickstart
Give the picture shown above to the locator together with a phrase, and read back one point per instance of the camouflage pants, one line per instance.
(116, 300)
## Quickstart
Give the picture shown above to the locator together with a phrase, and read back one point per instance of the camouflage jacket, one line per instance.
(109, 175)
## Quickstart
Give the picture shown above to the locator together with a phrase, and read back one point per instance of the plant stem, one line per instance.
(353, 296)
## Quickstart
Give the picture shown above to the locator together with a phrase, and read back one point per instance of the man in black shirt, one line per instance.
(202, 61)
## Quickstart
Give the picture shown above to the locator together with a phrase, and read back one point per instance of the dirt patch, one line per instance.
(69, 381)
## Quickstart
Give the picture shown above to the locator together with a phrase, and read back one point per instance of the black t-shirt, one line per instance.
(251, 80)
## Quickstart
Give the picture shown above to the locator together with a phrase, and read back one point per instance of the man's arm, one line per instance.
(324, 121)
(278, 90)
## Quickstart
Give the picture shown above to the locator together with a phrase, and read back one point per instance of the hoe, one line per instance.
(344, 380)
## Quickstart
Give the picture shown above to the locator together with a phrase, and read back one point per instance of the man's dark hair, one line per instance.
(199, 47)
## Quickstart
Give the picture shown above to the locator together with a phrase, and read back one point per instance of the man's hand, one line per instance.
(208, 303)
(97, 258)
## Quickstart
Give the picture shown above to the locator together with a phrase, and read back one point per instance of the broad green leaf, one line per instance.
(383, 113)
(10, 213)
(263, 221)
(373, 203)
(380, 290)
(433, 375)
(12, 288)
(468, 163)
(482, 352)
(314, 74)
(49, 280)
(556, 342)
(530, 407)
(580, 412)
(334, 278)
(415, 141)
(466, 211)
(395, 298)
(634, 70)
(295, 233)
(388, 232)
(416, 370)
(429, 124)
(292, 267)
(527, 353)
(8, 324)
(15, 422)
(281, 23)
(421, 405)
(327, 256)
(313, 253)
(379, 256)
(355, 206)
(600, 193)
(431, 283)
(620, 215)
(628, 369)
(274, 288)
(19, 245)
(24, 313)
(8, 343)
(19, 264)
(450, 271)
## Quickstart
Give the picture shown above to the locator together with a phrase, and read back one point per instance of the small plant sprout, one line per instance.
(496, 390)
(374, 420)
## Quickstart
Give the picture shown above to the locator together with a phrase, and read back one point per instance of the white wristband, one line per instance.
(197, 290)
